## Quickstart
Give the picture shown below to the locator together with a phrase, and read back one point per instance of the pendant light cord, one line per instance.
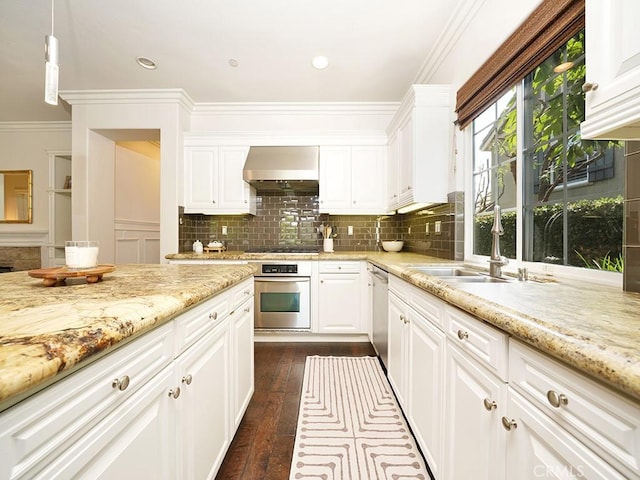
(52, 5)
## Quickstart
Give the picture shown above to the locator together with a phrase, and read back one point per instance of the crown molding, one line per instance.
(128, 96)
(278, 138)
(458, 22)
(56, 126)
(293, 108)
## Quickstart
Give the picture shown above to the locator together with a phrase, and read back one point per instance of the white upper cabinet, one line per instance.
(613, 70)
(213, 181)
(352, 180)
(419, 147)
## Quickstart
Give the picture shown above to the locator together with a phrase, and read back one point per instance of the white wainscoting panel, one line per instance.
(137, 241)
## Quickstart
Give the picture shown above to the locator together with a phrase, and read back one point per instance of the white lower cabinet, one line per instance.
(201, 395)
(341, 297)
(474, 437)
(426, 380)
(164, 406)
(483, 406)
(398, 349)
(537, 447)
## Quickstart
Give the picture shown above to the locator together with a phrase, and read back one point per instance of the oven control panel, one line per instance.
(279, 268)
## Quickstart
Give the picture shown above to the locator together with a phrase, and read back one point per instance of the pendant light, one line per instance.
(51, 66)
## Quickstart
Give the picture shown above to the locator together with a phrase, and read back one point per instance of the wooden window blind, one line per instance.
(549, 27)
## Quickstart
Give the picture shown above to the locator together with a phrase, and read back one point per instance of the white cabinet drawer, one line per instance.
(400, 288)
(486, 343)
(609, 423)
(194, 323)
(41, 426)
(427, 305)
(338, 267)
(241, 293)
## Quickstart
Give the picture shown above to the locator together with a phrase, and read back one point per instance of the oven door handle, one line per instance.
(282, 279)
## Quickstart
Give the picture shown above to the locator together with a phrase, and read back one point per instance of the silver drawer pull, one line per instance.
(557, 399)
(247, 292)
(490, 404)
(462, 335)
(174, 392)
(247, 309)
(213, 315)
(187, 379)
(121, 383)
(509, 424)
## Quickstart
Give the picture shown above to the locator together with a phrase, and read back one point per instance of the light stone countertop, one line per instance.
(592, 327)
(47, 331)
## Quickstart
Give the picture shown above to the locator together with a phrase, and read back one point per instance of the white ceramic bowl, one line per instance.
(393, 246)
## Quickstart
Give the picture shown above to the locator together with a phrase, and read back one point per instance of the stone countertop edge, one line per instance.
(591, 327)
(48, 332)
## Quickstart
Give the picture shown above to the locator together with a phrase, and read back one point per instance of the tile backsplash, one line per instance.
(285, 219)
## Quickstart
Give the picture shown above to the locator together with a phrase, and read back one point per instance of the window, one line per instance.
(560, 195)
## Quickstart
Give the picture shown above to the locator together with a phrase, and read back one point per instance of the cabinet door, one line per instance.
(397, 348)
(340, 303)
(393, 164)
(426, 380)
(335, 178)
(233, 191)
(242, 360)
(204, 413)
(613, 63)
(201, 167)
(537, 447)
(368, 182)
(475, 439)
(406, 153)
(137, 440)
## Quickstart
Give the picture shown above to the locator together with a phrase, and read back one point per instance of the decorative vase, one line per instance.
(327, 245)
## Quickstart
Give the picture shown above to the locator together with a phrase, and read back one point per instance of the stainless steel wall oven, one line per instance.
(282, 296)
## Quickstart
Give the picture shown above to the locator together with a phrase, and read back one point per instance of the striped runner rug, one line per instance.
(350, 426)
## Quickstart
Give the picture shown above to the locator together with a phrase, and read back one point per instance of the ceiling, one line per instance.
(376, 49)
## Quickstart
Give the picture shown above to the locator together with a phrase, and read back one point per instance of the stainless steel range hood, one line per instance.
(277, 169)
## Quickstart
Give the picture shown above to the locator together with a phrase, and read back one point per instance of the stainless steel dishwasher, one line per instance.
(380, 328)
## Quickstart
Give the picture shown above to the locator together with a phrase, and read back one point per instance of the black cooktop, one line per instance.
(285, 249)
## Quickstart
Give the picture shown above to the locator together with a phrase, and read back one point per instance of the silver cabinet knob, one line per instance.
(121, 383)
(213, 315)
(557, 399)
(589, 87)
(213, 201)
(174, 392)
(490, 404)
(187, 379)
(462, 335)
(509, 424)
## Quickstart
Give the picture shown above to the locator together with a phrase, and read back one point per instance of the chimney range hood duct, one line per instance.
(277, 169)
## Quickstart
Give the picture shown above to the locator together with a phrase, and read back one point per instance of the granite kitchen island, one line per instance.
(46, 332)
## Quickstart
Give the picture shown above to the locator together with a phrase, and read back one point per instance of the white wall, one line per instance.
(492, 22)
(137, 202)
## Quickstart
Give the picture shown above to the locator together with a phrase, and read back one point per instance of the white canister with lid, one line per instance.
(197, 246)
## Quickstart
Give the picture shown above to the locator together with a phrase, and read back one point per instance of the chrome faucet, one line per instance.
(496, 262)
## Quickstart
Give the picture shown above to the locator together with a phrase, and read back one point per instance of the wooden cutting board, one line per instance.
(57, 275)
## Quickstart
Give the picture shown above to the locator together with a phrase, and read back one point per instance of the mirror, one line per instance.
(15, 196)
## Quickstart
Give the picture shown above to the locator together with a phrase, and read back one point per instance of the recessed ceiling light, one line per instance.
(563, 67)
(147, 63)
(320, 62)
(233, 62)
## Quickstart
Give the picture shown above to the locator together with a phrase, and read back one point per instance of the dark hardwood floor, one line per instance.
(263, 445)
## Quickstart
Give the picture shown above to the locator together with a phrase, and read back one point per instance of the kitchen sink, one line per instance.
(458, 274)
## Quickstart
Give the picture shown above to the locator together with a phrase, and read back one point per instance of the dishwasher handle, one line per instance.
(381, 275)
